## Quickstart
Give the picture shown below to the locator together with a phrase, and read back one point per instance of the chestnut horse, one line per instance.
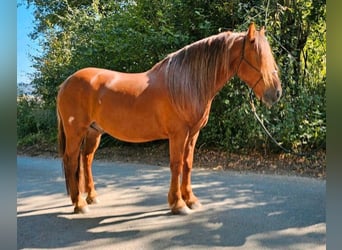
(170, 101)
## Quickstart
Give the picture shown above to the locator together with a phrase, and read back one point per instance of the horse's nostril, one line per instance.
(278, 94)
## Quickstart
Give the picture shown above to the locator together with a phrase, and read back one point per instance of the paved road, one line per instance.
(240, 211)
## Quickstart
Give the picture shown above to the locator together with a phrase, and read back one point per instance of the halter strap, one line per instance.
(246, 61)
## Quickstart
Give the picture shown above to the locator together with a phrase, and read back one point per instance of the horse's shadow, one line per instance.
(54, 230)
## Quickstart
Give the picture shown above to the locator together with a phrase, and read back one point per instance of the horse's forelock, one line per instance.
(267, 62)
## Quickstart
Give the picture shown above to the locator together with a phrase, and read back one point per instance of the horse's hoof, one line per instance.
(81, 210)
(196, 205)
(181, 211)
(94, 200)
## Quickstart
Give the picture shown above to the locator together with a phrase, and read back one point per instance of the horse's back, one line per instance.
(88, 85)
(87, 76)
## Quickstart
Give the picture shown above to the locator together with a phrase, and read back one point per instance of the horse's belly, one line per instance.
(132, 127)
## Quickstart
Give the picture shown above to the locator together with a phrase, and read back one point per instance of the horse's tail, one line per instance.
(61, 136)
(61, 148)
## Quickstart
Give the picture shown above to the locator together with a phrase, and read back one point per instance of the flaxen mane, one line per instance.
(191, 72)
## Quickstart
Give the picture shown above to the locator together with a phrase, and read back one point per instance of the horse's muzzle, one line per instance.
(271, 96)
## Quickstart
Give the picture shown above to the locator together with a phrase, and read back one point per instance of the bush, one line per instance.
(35, 122)
(298, 121)
(25, 119)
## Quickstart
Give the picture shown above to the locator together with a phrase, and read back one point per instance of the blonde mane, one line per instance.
(191, 73)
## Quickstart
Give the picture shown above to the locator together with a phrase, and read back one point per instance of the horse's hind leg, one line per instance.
(90, 145)
(73, 169)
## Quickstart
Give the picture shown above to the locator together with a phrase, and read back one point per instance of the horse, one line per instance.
(170, 101)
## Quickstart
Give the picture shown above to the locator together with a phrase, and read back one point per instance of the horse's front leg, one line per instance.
(176, 202)
(187, 194)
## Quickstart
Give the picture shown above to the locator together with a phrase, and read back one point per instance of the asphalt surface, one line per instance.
(240, 211)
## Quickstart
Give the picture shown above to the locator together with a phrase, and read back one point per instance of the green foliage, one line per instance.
(34, 121)
(132, 36)
(26, 123)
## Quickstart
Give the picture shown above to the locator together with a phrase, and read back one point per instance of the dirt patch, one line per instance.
(157, 154)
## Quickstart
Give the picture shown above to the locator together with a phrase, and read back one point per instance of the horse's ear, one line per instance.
(251, 32)
(263, 31)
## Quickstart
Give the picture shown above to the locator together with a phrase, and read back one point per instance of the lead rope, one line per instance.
(289, 151)
(263, 125)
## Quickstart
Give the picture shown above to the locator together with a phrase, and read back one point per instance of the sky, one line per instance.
(25, 45)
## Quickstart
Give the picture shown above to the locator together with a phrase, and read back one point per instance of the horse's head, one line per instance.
(258, 68)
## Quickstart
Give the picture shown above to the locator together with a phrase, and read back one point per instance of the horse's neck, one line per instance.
(222, 81)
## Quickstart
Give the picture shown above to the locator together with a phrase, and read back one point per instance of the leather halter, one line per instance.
(250, 64)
